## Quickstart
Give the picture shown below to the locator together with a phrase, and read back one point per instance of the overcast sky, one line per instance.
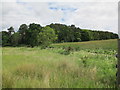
(86, 15)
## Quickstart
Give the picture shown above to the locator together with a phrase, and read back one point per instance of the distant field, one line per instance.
(64, 65)
(101, 44)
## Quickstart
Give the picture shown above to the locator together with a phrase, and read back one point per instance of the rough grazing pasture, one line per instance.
(64, 65)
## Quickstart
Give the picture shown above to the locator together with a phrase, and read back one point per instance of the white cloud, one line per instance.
(15, 14)
(91, 15)
(100, 16)
(61, 0)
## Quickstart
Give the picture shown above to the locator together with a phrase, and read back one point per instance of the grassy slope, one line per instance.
(33, 67)
(104, 44)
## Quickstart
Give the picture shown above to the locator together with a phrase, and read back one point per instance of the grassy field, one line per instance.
(64, 65)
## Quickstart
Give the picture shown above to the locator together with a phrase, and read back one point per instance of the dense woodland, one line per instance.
(36, 35)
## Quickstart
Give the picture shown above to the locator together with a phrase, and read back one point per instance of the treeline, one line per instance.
(36, 35)
(75, 34)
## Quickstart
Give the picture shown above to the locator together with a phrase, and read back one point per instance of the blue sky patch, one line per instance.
(18, 1)
(69, 9)
(62, 19)
(53, 8)
(63, 9)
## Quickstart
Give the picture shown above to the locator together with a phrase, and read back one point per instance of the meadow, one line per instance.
(63, 65)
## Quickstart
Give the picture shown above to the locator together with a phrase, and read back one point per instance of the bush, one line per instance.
(46, 36)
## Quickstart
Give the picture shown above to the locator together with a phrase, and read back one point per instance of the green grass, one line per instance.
(87, 65)
(101, 44)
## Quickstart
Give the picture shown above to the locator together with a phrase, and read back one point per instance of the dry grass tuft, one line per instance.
(7, 80)
(28, 70)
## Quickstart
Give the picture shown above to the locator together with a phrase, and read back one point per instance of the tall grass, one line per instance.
(51, 68)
